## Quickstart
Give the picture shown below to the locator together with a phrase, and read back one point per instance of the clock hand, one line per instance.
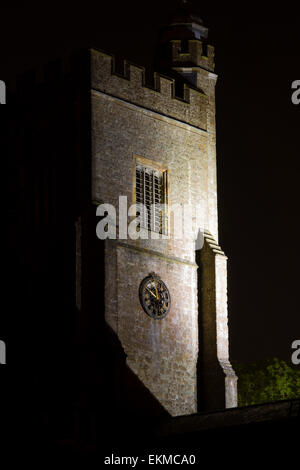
(151, 292)
(156, 289)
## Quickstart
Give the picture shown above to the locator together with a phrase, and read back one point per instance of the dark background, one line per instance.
(257, 59)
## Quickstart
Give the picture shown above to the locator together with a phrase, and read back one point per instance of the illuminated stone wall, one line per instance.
(130, 120)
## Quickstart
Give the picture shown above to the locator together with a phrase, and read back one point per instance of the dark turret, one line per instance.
(184, 48)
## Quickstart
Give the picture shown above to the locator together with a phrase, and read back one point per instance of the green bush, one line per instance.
(266, 381)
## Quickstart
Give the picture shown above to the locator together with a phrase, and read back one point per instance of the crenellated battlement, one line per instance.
(130, 85)
(194, 53)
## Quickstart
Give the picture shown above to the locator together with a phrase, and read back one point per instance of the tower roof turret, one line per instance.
(186, 23)
(183, 49)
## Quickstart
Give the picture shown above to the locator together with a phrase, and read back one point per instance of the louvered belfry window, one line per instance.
(151, 191)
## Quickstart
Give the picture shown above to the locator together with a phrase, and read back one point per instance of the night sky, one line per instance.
(257, 59)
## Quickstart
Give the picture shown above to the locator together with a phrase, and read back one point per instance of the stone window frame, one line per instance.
(153, 165)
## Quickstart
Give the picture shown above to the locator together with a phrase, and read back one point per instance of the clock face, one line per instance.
(155, 297)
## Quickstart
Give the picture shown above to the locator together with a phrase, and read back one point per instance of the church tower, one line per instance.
(154, 151)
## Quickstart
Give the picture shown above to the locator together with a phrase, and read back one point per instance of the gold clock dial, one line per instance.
(155, 297)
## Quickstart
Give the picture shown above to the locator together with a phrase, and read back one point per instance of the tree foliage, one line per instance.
(265, 381)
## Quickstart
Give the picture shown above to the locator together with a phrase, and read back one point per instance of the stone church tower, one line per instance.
(165, 300)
